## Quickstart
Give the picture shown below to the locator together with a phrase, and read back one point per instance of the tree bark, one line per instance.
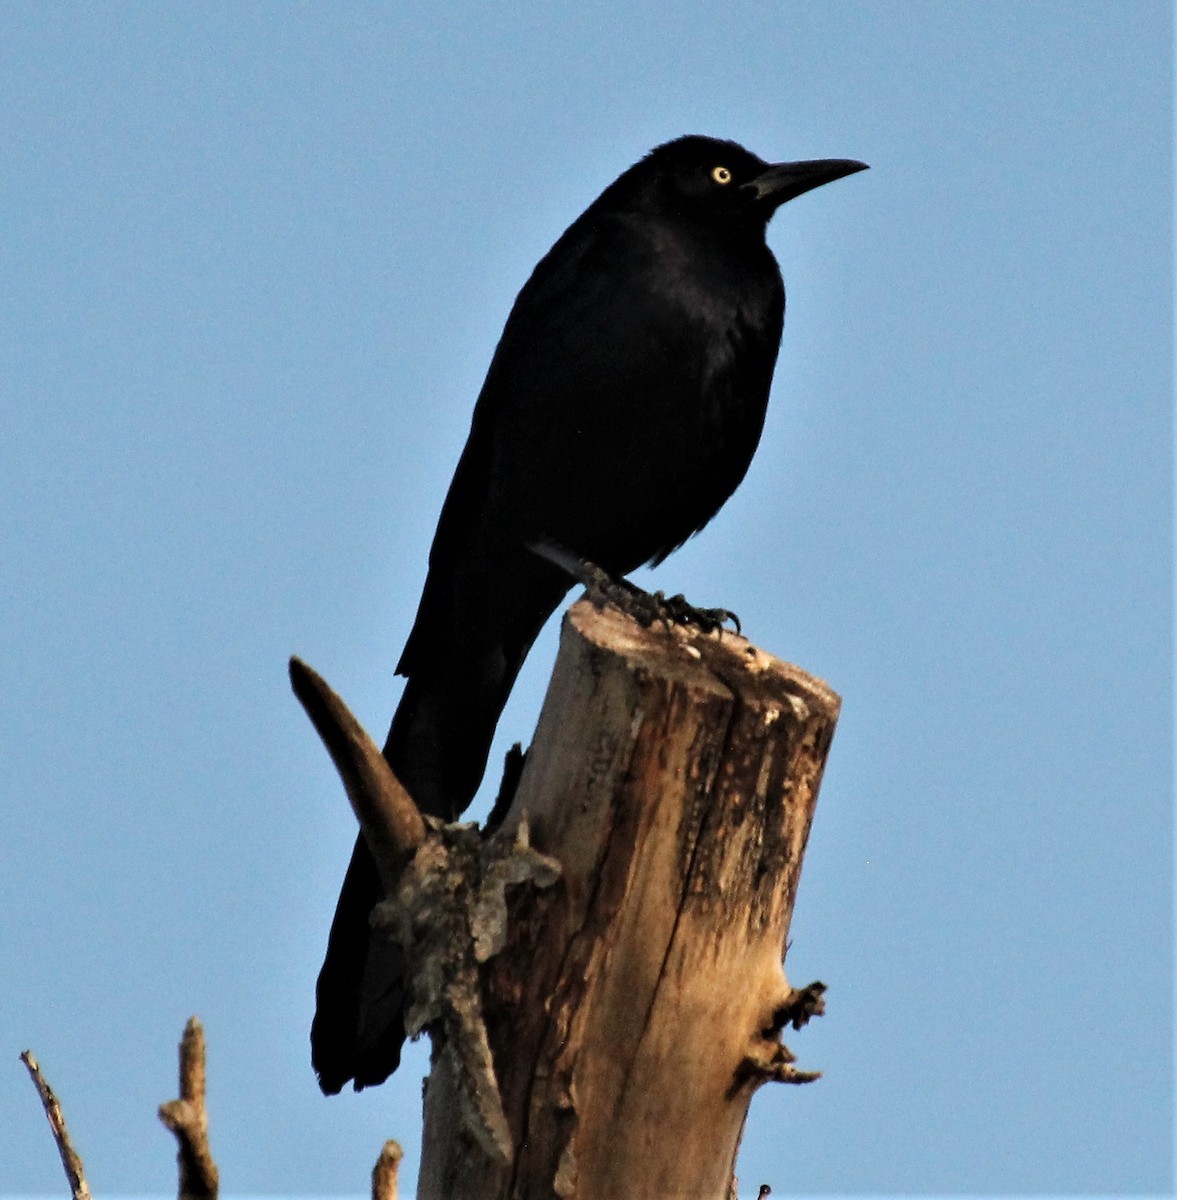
(638, 1002)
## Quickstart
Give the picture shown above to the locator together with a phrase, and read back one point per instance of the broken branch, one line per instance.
(69, 1156)
(187, 1118)
(392, 824)
(386, 1171)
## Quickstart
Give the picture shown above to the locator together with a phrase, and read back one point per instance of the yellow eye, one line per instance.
(721, 175)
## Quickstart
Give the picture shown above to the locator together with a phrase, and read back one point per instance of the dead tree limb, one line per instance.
(187, 1118)
(392, 824)
(386, 1171)
(607, 1038)
(70, 1159)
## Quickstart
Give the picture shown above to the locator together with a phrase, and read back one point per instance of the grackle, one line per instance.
(621, 409)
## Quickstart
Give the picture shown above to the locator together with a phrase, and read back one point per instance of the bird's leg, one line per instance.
(603, 588)
(643, 606)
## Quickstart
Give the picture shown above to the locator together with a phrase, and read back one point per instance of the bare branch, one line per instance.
(187, 1118)
(392, 824)
(69, 1156)
(801, 1005)
(384, 1173)
(772, 1064)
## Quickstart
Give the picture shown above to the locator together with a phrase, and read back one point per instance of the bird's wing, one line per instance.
(595, 339)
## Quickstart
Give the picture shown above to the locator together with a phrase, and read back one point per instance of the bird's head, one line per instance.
(717, 181)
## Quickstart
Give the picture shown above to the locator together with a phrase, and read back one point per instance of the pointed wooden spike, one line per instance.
(392, 823)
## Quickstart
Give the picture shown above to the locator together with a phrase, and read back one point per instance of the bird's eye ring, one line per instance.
(721, 175)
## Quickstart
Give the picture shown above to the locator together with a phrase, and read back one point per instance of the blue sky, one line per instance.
(255, 259)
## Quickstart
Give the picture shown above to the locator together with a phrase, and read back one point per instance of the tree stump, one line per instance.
(639, 1001)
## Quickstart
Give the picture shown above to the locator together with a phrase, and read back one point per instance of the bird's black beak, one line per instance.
(786, 181)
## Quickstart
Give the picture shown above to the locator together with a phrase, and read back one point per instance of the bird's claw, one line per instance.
(678, 610)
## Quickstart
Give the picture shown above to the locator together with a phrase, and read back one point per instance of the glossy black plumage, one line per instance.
(621, 409)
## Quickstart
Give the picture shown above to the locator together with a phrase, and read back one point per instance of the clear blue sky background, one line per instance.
(255, 259)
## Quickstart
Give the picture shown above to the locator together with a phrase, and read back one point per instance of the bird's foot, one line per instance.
(645, 607)
(602, 588)
(678, 610)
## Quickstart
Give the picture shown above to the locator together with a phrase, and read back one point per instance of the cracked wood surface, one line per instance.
(673, 775)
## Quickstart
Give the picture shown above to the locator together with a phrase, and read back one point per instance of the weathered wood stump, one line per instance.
(605, 1040)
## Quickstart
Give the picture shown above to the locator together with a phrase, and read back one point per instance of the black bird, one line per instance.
(621, 409)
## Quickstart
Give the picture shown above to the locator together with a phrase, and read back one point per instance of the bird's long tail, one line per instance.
(437, 746)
